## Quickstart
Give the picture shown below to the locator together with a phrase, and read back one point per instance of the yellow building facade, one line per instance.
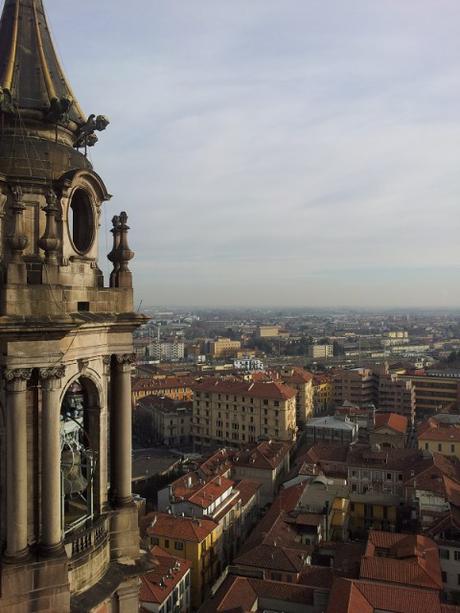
(196, 540)
(235, 412)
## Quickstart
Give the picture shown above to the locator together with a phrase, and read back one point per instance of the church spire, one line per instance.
(31, 77)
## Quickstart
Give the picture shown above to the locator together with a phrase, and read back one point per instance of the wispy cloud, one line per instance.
(295, 152)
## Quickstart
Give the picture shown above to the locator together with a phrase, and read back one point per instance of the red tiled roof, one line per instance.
(191, 488)
(247, 489)
(436, 431)
(264, 455)
(396, 422)
(157, 584)
(297, 376)
(273, 557)
(270, 390)
(243, 593)
(181, 528)
(352, 596)
(145, 383)
(408, 559)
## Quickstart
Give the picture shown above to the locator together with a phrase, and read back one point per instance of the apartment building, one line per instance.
(267, 331)
(435, 391)
(171, 420)
(216, 498)
(301, 381)
(357, 385)
(321, 352)
(196, 540)
(323, 394)
(440, 437)
(177, 388)
(362, 386)
(224, 348)
(234, 412)
(396, 396)
(167, 586)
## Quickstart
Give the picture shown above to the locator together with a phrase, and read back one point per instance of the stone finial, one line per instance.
(121, 254)
(50, 242)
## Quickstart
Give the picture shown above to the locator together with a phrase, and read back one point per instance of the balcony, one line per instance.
(88, 550)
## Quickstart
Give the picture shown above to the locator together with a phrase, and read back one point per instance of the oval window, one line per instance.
(81, 221)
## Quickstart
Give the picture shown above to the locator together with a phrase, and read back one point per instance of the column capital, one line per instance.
(16, 378)
(22, 374)
(53, 372)
(125, 359)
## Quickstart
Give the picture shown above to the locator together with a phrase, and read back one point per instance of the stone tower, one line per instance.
(68, 523)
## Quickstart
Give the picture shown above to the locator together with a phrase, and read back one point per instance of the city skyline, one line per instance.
(284, 155)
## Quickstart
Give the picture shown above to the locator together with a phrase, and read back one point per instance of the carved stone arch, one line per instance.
(93, 429)
(88, 179)
(82, 195)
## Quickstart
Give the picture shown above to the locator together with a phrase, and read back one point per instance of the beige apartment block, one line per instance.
(301, 381)
(224, 348)
(268, 331)
(435, 391)
(236, 412)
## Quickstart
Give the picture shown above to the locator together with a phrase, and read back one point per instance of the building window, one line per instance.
(166, 543)
(155, 540)
(179, 545)
(444, 554)
(444, 576)
(439, 446)
(452, 448)
(426, 446)
(277, 403)
(388, 476)
(265, 401)
(456, 555)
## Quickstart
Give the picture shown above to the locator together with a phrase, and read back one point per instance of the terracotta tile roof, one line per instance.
(145, 383)
(396, 422)
(346, 598)
(274, 557)
(438, 431)
(401, 558)
(242, 594)
(265, 455)
(181, 528)
(270, 390)
(156, 585)
(199, 492)
(317, 576)
(247, 489)
(235, 593)
(351, 596)
(285, 502)
(218, 463)
(326, 452)
(429, 470)
(297, 376)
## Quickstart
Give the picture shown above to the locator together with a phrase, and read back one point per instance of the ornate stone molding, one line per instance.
(125, 358)
(55, 372)
(18, 374)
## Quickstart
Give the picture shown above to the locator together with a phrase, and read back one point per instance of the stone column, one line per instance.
(121, 429)
(51, 534)
(16, 463)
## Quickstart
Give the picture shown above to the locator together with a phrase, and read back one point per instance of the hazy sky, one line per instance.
(297, 152)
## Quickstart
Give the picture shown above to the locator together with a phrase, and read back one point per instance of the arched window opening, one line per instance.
(81, 221)
(78, 459)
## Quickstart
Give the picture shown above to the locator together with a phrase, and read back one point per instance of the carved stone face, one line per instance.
(81, 223)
